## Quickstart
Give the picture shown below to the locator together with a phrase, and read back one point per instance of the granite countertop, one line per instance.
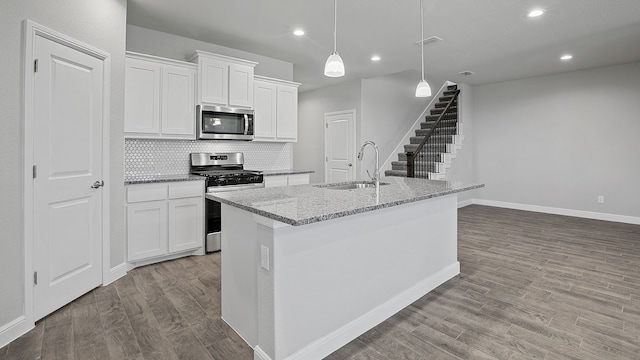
(286, 172)
(305, 204)
(147, 179)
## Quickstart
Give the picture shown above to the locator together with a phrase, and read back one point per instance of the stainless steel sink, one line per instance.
(350, 185)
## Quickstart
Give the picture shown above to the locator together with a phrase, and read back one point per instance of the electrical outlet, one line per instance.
(600, 199)
(264, 257)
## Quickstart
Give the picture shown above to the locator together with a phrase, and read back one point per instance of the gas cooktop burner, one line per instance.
(226, 172)
(223, 169)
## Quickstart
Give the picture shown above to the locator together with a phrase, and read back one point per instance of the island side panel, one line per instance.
(333, 280)
(238, 271)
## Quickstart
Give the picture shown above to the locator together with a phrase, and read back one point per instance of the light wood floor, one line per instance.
(532, 286)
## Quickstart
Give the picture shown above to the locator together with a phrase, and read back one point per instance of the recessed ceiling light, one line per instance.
(375, 58)
(535, 13)
(566, 57)
(298, 32)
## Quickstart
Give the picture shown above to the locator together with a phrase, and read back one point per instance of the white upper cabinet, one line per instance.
(264, 107)
(142, 97)
(213, 77)
(287, 113)
(178, 101)
(224, 80)
(276, 110)
(159, 98)
(241, 86)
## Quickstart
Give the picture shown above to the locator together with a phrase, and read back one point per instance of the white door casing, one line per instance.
(66, 114)
(339, 145)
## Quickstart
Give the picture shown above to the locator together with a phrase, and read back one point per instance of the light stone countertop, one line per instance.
(148, 179)
(286, 172)
(305, 204)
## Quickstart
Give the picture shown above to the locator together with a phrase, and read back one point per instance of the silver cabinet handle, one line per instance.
(97, 184)
(349, 164)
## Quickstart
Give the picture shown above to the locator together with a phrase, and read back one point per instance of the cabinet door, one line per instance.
(241, 86)
(214, 82)
(142, 97)
(178, 105)
(146, 229)
(273, 181)
(264, 107)
(186, 221)
(287, 113)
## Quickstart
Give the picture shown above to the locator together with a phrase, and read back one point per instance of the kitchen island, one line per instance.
(308, 268)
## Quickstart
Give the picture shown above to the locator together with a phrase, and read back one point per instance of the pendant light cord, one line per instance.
(422, 38)
(335, 26)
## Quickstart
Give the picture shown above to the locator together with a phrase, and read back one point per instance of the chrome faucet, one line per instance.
(376, 174)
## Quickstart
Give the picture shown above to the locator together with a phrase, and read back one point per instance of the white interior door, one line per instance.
(339, 145)
(67, 210)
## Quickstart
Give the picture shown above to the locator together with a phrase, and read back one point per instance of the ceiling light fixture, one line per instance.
(375, 58)
(423, 89)
(334, 67)
(535, 13)
(298, 32)
(566, 57)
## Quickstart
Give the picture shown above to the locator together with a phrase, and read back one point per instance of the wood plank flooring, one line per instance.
(532, 286)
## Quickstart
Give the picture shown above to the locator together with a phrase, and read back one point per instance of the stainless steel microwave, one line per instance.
(222, 123)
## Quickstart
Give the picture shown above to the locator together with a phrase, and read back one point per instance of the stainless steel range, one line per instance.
(224, 172)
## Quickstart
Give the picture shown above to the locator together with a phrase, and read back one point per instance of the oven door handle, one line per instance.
(246, 124)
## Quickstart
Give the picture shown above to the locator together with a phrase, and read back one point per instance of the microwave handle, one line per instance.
(246, 124)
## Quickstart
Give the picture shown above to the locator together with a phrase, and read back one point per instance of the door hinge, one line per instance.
(35, 65)
(326, 158)
(35, 278)
(35, 171)
(326, 125)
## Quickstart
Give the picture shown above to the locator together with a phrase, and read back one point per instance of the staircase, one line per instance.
(435, 156)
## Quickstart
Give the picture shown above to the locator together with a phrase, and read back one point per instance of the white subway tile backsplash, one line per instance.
(167, 157)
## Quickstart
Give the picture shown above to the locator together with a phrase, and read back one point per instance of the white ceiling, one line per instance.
(492, 38)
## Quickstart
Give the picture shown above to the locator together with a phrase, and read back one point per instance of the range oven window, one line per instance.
(225, 123)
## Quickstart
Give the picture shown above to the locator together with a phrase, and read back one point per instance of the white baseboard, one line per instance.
(14, 330)
(560, 211)
(464, 203)
(115, 274)
(340, 337)
(259, 354)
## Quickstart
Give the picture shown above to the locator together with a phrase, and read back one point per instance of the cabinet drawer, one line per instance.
(274, 181)
(146, 192)
(186, 189)
(298, 179)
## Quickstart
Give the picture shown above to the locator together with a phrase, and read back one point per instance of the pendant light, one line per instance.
(423, 89)
(334, 67)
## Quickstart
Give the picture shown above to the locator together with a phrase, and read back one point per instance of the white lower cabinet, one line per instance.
(185, 221)
(146, 229)
(164, 219)
(286, 180)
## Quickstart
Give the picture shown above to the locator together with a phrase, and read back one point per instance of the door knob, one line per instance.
(349, 164)
(97, 184)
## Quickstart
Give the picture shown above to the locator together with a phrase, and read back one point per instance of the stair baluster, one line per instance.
(436, 145)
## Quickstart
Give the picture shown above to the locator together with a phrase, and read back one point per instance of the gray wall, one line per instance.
(463, 166)
(562, 140)
(308, 152)
(386, 107)
(157, 43)
(389, 109)
(100, 23)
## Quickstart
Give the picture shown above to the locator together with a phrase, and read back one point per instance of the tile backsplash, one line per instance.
(167, 157)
